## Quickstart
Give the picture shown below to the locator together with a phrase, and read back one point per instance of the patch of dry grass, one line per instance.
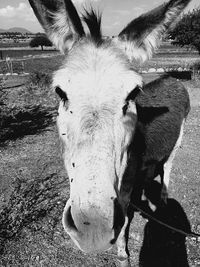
(27, 110)
(29, 203)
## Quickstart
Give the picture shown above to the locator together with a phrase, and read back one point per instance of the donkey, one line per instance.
(118, 134)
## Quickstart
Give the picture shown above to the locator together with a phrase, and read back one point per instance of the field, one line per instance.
(34, 186)
(52, 62)
(24, 53)
(47, 64)
(26, 56)
(167, 56)
(12, 44)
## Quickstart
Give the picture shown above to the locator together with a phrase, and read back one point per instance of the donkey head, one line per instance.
(97, 113)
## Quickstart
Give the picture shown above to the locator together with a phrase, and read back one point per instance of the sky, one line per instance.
(116, 13)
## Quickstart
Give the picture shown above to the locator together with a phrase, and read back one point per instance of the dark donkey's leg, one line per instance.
(167, 166)
(122, 242)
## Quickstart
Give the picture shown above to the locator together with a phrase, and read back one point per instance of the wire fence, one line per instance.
(12, 66)
(183, 70)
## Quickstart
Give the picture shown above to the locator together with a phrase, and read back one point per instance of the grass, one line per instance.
(39, 79)
(30, 202)
(11, 45)
(21, 122)
(174, 62)
(22, 53)
(47, 65)
(29, 114)
(162, 59)
(34, 185)
(51, 64)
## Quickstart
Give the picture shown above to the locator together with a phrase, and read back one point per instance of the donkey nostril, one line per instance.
(68, 220)
(86, 223)
(112, 242)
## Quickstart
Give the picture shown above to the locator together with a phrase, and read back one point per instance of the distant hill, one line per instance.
(16, 29)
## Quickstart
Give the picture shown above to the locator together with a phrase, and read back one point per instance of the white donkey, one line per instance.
(116, 137)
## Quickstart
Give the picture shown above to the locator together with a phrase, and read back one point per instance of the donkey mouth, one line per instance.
(88, 235)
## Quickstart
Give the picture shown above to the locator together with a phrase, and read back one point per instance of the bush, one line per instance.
(39, 79)
(17, 122)
(2, 98)
(186, 31)
(2, 82)
(40, 40)
(30, 202)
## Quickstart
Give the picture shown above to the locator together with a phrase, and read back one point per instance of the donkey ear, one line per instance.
(142, 35)
(60, 21)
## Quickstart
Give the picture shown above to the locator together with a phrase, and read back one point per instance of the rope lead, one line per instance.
(191, 234)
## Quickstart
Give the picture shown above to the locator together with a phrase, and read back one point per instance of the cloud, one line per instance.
(121, 12)
(133, 12)
(22, 11)
(25, 12)
(193, 5)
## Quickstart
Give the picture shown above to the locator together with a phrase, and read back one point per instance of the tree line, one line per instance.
(187, 30)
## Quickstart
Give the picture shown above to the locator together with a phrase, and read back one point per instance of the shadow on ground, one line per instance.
(162, 246)
(28, 121)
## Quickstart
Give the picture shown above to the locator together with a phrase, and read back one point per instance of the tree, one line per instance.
(187, 30)
(40, 40)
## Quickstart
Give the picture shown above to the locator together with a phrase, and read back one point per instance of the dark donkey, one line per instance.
(117, 133)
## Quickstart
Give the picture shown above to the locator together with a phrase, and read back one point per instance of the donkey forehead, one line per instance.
(101, 73)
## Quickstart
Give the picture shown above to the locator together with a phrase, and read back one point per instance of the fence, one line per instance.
(12, 67)
(17, 66)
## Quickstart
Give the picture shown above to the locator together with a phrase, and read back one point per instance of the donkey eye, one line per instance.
(61, 94)
(124, 109)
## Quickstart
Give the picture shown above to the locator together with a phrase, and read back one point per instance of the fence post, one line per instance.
(23, 66)
(195, 74)
(7, 63)
(11, 66)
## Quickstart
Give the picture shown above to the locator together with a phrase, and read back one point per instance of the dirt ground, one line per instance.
(34, 189)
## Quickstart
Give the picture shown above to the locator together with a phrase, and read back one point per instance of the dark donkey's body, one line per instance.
(162, 107)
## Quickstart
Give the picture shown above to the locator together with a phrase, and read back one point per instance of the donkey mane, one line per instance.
(92, 19)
